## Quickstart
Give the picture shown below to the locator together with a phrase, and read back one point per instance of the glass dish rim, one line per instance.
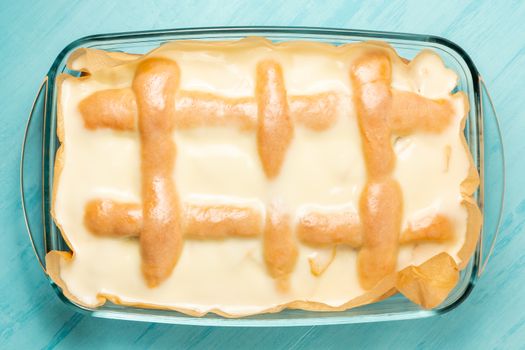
(255, 30)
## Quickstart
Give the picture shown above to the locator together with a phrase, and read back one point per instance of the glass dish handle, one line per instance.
(31, 174)
(493, 177)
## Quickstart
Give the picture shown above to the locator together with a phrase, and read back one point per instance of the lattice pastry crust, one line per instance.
(143, 101)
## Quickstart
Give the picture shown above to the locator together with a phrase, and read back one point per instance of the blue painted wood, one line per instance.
(33, 32)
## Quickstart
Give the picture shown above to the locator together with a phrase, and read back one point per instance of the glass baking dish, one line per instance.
(482, 134)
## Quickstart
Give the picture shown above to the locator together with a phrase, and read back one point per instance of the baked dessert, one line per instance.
(246, 177)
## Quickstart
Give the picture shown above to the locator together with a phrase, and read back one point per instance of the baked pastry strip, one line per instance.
(319, 229)
(104, 217)
(112, 108)
(155, 84)
(435, 228)
(117, 109)
(108, 218)
(279, 246)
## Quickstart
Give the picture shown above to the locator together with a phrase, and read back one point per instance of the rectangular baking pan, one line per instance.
(482, 134)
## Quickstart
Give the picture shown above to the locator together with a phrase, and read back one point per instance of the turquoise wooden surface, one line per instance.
(33, 32)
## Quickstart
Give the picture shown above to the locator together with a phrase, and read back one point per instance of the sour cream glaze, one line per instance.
(322, 171)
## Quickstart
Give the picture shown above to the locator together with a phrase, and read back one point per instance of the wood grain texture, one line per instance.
(32, 33)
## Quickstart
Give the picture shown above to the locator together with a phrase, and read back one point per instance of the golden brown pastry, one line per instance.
(155, 84)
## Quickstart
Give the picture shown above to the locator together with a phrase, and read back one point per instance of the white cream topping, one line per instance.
(322, 171)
